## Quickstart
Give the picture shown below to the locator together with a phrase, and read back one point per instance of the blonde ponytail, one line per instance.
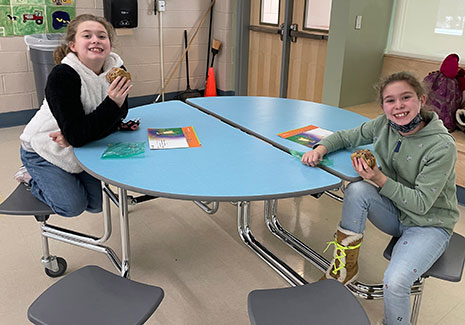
(60, 53)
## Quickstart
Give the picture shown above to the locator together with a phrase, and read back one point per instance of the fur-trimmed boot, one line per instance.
(460, 119)
(344, 266)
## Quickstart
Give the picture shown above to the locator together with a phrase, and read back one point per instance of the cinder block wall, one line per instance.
(140, 51)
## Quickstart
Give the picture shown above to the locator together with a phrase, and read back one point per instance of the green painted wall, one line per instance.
(354, 58)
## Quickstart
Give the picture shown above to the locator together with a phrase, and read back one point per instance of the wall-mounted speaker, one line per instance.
(121, 13)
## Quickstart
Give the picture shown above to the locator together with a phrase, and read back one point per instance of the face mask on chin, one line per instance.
(408, 127)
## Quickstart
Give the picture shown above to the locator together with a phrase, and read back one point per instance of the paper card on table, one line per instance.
(308, 135)
(169, 138)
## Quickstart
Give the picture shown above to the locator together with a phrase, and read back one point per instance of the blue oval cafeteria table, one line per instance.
(265, 117)
(229, 166)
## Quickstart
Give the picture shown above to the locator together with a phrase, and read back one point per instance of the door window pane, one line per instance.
(317, 14)
(269, 12)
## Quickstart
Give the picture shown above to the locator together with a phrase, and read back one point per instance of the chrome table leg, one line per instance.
(124, 225)
(243, 224)
(79, 239)
(204, 206)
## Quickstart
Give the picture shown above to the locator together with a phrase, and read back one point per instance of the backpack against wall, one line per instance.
(444, 94)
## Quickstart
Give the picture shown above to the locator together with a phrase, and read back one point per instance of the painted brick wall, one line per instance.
(140, 51)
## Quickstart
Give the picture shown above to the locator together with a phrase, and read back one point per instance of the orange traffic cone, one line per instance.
(210, 87)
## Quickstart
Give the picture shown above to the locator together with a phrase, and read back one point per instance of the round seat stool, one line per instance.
(326, 302)
(92, 295)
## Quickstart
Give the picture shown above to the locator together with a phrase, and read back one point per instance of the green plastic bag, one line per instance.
(298, 154)
(123, 150)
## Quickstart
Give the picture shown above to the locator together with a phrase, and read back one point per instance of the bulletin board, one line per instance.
(24, 17)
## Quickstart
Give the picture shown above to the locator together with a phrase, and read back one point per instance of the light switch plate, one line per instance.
(358, 22)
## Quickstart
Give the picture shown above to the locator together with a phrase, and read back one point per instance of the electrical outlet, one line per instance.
(161, 5)
(358, 22)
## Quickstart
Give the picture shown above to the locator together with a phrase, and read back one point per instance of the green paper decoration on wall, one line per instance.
(24, 17)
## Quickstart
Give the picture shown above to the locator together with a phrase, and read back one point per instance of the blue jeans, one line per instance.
(67, 194)
(414, 253)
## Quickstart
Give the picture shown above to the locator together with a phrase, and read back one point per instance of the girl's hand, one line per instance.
(119, 89)
(372, 174)
(313, 157)
(58, 137)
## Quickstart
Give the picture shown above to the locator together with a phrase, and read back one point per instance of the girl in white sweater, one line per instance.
(79, 106)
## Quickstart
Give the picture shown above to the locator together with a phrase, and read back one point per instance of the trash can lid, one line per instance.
(44, 42)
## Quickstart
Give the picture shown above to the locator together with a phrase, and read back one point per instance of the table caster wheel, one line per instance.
(61, 268)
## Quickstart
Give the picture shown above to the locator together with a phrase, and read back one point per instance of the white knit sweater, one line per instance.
(35, 136)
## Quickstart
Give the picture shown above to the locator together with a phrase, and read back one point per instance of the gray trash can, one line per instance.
(41, 47)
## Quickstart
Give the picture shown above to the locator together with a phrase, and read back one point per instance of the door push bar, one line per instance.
(294, 33)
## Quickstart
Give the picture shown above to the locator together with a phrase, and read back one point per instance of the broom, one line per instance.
(188, 93)
(215, 49)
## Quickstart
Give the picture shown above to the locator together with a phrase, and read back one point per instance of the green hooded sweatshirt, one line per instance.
(420, 168)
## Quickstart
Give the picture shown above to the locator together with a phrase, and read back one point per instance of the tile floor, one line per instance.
(198, 259)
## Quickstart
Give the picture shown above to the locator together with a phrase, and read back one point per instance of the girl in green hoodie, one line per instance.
(414, 197)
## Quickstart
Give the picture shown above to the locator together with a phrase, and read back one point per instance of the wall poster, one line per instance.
(24, 17)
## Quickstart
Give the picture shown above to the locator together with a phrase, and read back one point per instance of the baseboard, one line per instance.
(226, 92)
(10, 119)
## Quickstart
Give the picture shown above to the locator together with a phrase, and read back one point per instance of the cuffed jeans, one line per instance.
(414, 253)
(67, 194)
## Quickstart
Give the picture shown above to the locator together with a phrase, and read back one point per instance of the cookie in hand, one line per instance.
(116, 72)
(366, 155)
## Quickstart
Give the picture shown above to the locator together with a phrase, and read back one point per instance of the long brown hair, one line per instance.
(71, 30)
